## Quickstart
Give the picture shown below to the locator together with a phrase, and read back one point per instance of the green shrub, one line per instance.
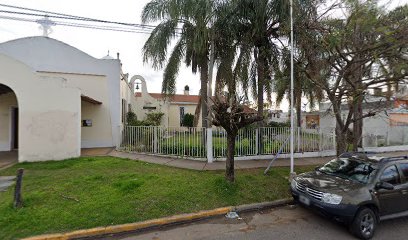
(188, 120)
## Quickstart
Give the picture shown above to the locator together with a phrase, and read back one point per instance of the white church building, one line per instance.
(56, 99)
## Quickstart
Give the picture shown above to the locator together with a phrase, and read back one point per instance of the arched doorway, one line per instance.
(9, 118)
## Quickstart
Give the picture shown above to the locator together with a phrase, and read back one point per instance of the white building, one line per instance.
(56, 99)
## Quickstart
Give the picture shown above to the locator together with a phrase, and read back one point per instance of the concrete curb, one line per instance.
(155, 223)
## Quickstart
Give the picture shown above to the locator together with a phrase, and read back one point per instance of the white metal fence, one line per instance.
(268, 141)
(183, 142)
(388, 136)
(192, 142)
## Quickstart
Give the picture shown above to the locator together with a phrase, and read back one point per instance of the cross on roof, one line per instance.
(46, 24)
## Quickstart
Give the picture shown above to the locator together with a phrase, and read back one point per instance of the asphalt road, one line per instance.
(292, 222)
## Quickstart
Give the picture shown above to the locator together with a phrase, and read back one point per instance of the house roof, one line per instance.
(90, 100)
(175, 98)
(188, 99)
(248, 109)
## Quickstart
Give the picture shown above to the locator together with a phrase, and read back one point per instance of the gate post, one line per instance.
(257, 141)
(155, 139)
(210, 157)
(298, 139)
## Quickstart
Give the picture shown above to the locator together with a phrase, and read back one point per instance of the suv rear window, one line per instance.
(404, 169)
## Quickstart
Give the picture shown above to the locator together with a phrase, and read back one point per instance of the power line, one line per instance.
(79, 25)
(68, 16)
(127, 27)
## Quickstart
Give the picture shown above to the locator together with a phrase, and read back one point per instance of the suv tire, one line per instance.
(364, 223)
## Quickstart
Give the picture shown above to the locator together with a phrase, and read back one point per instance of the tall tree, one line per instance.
(228, 110)
(258, 23)
(346, 63)
(303, 87)
(189, 22)
(304, 13)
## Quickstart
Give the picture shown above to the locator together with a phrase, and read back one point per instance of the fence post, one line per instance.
(298, 138)
(257, 141)
(320, 140)
(18, 201)
(155, 139)
(209, 138)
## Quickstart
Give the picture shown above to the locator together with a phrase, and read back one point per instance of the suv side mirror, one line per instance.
(384, 185)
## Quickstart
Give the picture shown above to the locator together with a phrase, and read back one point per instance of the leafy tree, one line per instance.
(352, 55)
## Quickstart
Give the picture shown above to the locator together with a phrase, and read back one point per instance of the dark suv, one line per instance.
(356, 189)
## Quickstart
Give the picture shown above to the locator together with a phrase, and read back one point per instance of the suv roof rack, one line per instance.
(389, 159)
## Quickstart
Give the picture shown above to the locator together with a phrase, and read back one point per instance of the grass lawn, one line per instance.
(99, 191)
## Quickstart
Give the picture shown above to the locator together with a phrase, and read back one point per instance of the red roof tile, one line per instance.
(175, 98)
(189, 99)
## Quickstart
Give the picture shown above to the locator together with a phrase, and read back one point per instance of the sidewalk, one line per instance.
(218, 165)
(8, 159)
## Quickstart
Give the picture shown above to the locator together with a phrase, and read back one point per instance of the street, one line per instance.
(291, 222)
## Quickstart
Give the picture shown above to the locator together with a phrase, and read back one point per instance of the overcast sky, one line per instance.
(97, 42)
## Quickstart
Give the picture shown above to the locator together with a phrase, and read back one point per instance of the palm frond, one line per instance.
(172, 68)
(155, 48)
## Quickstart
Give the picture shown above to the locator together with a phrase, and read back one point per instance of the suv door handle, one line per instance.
(404, 191)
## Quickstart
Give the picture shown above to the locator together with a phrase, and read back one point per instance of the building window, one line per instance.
(181, 116)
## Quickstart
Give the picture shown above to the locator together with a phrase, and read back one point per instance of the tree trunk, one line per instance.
(299, 110)
(203, 93)
(261, 81)
(341, 140)
(229, 169)
(358, 122)
(197, 112)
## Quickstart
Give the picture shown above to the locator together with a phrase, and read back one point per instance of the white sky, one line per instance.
(97, 42)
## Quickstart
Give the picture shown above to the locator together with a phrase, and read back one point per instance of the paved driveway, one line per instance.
(282, 223)
(8, 158)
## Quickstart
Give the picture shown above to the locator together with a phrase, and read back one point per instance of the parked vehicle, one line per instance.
(356, 189)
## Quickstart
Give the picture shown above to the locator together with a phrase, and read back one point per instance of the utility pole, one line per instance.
(210, 156)
(292, 162)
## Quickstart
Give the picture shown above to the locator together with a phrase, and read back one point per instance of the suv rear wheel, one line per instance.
(364, 223)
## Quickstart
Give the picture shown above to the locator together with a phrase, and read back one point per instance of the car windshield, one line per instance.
(349, 168)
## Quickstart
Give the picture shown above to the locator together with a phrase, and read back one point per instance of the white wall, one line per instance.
(49, 113)
(49, 56)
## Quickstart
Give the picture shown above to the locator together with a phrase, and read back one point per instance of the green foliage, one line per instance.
(154, 118)
(131, 119)
(114, 191)
(278, 124)
(188, 120)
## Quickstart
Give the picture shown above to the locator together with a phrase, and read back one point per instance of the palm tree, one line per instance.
(228, 110)
(258, 22)
(188, 21)
(303, 87)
